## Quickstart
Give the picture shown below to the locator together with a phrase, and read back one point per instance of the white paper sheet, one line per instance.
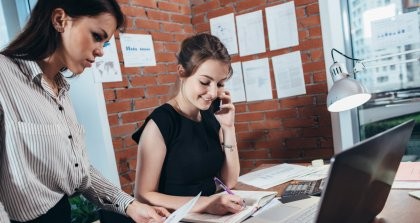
(137, 50)
(250, 33)
(406, 185)
(282, 26)
(257, 80)
(318, 173)
(181, 212)
(224, 28)
(236, 83)
(396, 31)
(107, 68)
(288, 73)
(275, 175)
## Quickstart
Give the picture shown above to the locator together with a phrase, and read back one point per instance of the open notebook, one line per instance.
(253, 199)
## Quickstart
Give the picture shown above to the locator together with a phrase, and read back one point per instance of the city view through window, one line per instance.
(385, 34)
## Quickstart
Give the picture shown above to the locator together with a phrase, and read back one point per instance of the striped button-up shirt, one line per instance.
(42, 147)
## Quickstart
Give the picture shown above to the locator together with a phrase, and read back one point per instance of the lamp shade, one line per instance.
(346, 93)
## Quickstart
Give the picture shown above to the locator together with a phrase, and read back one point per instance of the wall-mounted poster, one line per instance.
(250, 33)
(288, 73)
(224, 28)
(107, 68)
(137, 50)
(236, 84)
(280, 18)
(257, 80)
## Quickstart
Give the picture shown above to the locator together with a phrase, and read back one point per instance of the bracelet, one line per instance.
(230, 147)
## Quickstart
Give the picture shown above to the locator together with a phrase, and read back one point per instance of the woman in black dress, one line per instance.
(183, 144)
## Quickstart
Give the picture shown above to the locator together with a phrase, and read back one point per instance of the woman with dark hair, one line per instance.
(183, 144)
(43, 156)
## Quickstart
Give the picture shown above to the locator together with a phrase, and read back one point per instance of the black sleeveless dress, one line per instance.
(194, 154)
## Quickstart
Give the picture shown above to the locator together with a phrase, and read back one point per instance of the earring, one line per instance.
(58, 28)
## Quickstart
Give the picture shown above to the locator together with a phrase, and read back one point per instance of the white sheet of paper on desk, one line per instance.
(181, 212)
(318, 173)
(275, 175)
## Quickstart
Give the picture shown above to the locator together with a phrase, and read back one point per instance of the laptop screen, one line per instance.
(361, 177)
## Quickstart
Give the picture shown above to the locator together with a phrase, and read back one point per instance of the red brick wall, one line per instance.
(294, 129)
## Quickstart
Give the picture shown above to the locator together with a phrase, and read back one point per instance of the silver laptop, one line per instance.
(358, 185)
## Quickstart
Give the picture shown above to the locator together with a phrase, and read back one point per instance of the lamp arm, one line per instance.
(394, 63)
(342, 54)
(391, 55)
(360, 64)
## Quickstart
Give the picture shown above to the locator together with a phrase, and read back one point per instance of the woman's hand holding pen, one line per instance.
(221, 204)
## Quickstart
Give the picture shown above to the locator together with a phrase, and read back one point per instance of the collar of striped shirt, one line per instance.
(32, 70)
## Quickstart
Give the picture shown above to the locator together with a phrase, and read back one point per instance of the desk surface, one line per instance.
(399, 207)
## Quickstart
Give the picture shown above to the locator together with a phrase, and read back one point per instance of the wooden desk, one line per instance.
(399, 207)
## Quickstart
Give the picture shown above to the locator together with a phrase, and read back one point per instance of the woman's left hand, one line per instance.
(143, 213)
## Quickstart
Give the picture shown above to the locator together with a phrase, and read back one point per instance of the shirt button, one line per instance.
(117, 205)
(76, 165)
(70, 137)
(60, 108)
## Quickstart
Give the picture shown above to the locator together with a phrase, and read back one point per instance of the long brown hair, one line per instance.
(39, 39)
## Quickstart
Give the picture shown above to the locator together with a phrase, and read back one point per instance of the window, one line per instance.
(394, 80)
(13, 16)
(4, 37)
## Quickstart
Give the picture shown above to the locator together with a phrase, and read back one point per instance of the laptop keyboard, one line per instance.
(308, 215)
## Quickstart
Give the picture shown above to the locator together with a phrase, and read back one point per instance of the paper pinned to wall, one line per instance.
(137, 50)
(282, 26)
(257, 80)
(224, 28)
(107, 68)
(288, 74)
(236, 84)
(250, 33)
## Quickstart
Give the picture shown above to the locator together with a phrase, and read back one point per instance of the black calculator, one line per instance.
(301, 190)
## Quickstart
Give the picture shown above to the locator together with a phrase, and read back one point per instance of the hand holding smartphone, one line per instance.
(215, 105)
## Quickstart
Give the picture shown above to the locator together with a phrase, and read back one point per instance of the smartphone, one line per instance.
(215, 105)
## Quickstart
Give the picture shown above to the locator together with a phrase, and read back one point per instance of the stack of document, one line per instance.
(408, 176)
(275, 175)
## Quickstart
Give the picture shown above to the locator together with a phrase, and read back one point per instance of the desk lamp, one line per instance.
(346, 92)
